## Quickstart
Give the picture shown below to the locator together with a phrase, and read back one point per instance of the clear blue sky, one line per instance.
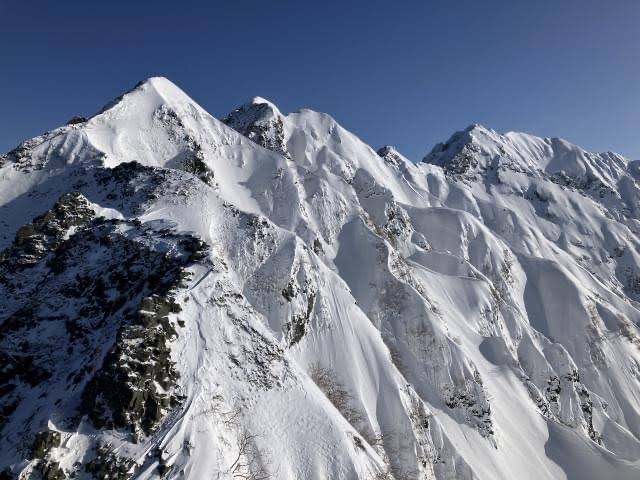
(394, 72)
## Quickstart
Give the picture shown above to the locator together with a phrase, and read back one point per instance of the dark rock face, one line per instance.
(44, 442)
(586, 405)
(86, 307)
(472, 400)
(123, 394)
(130, 183)
(195, 165)
(463, 162)
(571, 381)
(318, 249)
(398, 224)
(77, 120)
(35, 240)
(106, 465)
(304, 295)
(40, 452)
(298, 325)
(49, 470)
(456, 155)
(260, 123)
(463, 158)
(21, 155)
(389, 155)
(130, 186)
(192, 160)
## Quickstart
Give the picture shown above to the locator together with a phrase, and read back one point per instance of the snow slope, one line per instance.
(268, 297)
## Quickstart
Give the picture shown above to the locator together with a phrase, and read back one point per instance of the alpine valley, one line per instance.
(267, 297)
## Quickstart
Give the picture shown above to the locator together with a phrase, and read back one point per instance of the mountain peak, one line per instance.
(450, 153)
(152, 91)
(477, 128)
(264, 101)
(386, 150)
(260, 121)
(475, 149)
(177, 300)
(156, 82)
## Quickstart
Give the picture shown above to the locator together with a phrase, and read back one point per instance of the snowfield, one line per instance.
(266, 296)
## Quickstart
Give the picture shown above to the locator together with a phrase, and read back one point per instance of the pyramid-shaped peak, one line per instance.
(156, 82)
(152, 92)
(164, 87)
(474, 134)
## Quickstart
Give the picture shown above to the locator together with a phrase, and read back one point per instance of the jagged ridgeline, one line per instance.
(268, 297)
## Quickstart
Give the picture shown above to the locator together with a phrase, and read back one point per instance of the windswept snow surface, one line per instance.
(268, 297)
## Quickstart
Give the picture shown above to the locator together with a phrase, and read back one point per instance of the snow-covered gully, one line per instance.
(268, 297)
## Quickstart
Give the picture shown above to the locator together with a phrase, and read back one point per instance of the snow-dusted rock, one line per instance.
(269, 297)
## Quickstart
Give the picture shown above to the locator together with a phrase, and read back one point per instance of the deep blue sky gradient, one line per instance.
(406, 73)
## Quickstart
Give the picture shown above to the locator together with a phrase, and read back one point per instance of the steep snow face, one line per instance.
(570, 217)
(269, 297)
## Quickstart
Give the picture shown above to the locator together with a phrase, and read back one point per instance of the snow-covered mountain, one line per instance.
(268, 297)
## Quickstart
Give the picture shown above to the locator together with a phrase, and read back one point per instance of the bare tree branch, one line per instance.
(251, 463)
